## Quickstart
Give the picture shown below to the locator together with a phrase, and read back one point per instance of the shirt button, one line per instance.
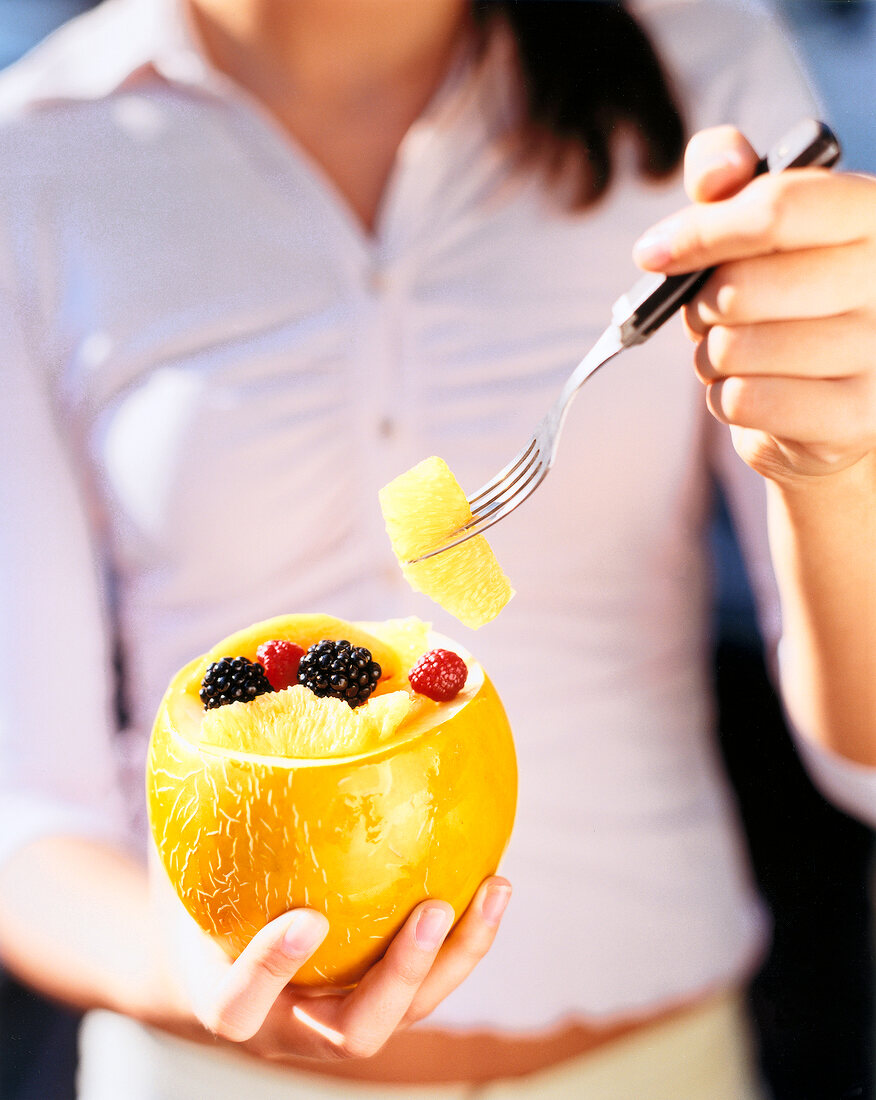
(386, 427)
(376, 280)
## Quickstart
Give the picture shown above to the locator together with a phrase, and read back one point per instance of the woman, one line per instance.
(261, 257)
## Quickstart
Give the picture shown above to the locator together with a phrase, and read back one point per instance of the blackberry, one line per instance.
(233, 680)
(339, 669)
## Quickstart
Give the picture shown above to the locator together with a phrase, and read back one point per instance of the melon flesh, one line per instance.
(422, 508)
(296, 723)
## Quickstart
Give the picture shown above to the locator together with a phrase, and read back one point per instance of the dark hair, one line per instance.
(588, 73)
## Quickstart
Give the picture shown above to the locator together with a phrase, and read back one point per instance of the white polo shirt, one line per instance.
(208, 371)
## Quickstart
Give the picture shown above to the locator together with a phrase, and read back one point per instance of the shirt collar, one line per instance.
(120, 43)
(107, 49)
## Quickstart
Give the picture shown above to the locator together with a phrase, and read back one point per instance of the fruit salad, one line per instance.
(356, 768)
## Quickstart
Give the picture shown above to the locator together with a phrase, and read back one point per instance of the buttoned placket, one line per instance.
(375, 271)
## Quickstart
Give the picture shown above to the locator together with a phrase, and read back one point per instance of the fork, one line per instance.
(635, 317)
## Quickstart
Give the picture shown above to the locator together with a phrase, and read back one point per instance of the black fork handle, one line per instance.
(655, 298)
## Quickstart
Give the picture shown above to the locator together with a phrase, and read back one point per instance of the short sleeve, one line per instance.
(850, 786)
(57, 765)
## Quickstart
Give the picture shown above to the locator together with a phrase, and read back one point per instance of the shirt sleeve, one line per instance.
(57, 765)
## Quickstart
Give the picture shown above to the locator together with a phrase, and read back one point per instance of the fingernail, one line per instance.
(432, 927)
(494, 903)
(654, 248)
(303, 933)
(719, 162)
(730, 158)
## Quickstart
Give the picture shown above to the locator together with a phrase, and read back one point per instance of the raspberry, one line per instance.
(280, 660)
(440, 674)
(339, 669)
(233, 680)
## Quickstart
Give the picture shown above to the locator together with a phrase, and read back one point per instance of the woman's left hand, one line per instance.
(785, 328)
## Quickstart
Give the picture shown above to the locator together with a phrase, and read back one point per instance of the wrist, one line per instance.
(854, 480)
(823, 542)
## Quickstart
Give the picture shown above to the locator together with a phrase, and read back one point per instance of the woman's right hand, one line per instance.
(251, 1002)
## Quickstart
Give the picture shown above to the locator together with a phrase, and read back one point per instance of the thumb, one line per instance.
(253, 982)
(718, 162)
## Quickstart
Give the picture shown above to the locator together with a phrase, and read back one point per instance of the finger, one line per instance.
(375, 1008)
(465, 947)
(840, 413)
(256, 979)
(781, 212)
(717, 163)
(831, 347)
(820, 282)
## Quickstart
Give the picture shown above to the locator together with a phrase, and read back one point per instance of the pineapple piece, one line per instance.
(421, 508)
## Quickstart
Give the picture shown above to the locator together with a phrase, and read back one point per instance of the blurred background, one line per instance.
(24, 22)
(813, 1000)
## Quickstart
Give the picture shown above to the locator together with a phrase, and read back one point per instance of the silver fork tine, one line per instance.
(516, 472)
(513, 487)
(480, 522)
(501, 508)
(501, 477)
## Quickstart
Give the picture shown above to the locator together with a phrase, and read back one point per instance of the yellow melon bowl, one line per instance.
(365, 812)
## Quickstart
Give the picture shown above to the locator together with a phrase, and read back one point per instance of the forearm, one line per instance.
(75, 924)
(823, 540)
